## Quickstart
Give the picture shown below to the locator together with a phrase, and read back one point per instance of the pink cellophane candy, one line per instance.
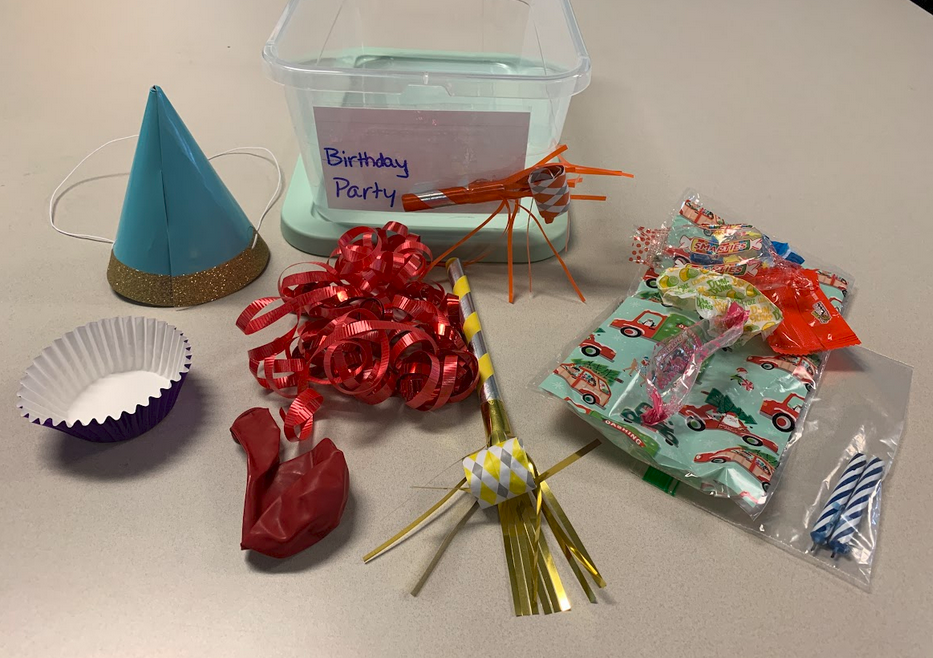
(675, 362)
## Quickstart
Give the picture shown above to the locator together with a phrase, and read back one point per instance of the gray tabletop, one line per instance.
(813, 117)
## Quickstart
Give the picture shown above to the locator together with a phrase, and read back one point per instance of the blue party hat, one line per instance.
(183, 239)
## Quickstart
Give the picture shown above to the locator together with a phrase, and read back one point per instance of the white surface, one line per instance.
(812, 118)
(114, 394)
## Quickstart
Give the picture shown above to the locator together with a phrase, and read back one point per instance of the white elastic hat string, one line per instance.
(244, 150)
(81, 236)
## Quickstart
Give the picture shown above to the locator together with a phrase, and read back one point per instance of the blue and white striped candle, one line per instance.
(856, 507)
(840, 495)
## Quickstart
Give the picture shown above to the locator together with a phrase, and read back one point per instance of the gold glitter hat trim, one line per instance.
(189, 289)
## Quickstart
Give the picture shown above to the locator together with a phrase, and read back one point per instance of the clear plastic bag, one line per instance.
(860, 407)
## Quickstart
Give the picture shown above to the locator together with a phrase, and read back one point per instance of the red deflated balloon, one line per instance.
(291, 505)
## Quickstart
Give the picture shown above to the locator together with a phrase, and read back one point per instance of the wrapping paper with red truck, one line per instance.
(729, 437)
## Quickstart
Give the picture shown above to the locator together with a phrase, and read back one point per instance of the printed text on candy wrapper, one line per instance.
(364, 160)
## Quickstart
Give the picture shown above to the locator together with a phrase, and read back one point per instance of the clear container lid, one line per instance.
(498, 48)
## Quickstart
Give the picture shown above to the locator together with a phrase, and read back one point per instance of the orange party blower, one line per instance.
(545, 182)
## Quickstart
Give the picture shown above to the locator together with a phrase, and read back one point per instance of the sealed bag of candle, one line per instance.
(717, 415)
(827, 509)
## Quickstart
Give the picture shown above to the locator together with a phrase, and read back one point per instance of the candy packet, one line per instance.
(712, 295)
(676, 361)
(737, 249)
(700, 237)
(811, 323)
(732, 426)
(731, 310)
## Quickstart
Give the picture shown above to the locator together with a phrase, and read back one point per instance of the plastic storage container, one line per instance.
(498, 61)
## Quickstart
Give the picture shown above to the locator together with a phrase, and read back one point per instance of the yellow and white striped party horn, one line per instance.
(494, 416)
(503, 475)
(519, 518)
(532, 571)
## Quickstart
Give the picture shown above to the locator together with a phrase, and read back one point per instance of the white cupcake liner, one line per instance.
(109, 380)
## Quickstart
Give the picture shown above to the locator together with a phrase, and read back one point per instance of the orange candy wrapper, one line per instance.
(811, 323)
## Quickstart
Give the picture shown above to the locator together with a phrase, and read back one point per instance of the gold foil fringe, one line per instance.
(534, 579)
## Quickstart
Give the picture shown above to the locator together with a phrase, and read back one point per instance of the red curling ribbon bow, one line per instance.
(292, 505)
(368, 326)
(545, 182)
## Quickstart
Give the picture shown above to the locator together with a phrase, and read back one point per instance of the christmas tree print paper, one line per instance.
(731, 433)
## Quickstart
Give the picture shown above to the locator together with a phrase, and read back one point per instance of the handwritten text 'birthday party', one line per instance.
(344, 187)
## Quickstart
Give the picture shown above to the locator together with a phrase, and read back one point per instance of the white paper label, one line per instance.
(371, 157)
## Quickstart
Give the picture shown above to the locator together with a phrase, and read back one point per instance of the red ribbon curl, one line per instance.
(368, 326)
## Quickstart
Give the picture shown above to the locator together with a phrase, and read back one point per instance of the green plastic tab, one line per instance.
(661, 480)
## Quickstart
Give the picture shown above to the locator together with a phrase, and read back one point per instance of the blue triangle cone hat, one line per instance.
(183, 239)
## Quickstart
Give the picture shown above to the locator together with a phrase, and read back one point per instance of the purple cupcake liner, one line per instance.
(128, 425)
(116, 347)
